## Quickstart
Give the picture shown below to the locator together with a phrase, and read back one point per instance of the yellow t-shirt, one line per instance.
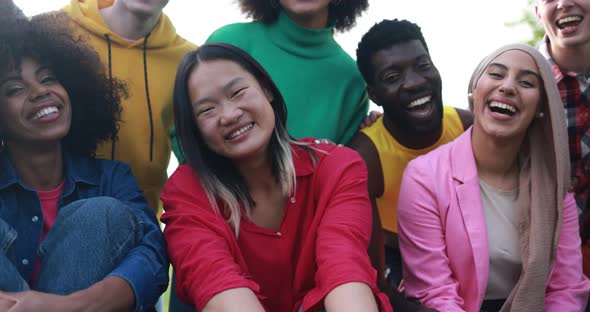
(394, 157)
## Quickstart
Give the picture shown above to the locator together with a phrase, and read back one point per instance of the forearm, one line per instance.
(236, 299)
(351, 297)
(111, 294)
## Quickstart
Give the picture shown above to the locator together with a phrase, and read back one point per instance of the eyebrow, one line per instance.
(521, 72)
(227, 86)
(42, 68)
(417, 58)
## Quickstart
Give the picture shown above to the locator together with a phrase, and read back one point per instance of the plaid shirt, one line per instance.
(574, 91)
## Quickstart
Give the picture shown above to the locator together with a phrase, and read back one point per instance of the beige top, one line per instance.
(503, 244)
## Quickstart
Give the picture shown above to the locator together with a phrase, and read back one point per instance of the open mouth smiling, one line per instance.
(569, 22)
(502, 108)
(46, 112)
(238, 132)
(418, 103)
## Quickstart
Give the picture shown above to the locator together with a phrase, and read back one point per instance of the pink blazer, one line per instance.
(443, 236)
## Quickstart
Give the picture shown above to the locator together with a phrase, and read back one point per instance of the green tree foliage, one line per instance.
(530, 19)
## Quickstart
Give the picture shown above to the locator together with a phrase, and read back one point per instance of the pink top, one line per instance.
(322, 241)
(49, 201)
(444, 242)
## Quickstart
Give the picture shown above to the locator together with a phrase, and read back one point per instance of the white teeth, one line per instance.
(503, 106)
(46, 111)
(569, 19)
(420, 101)
(240, 131)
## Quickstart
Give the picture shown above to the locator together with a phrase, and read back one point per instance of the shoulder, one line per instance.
(323, 153)
(333, 160)
(366, 148)
(435, 162)
(183, 192)
(183, 175)
(362, 143)
(235, 32)
(107, 175)
(99, 166)
(466, 117)
(343, 62)
(184, 45)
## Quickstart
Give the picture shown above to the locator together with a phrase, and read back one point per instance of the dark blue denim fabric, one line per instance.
(145, 266)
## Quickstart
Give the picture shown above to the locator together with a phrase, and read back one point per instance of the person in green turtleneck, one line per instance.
(294, 41)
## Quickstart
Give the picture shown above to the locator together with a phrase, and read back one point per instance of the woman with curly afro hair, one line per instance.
(75, 231)
(294, 41)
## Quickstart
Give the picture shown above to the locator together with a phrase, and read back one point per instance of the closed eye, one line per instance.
(204, 110)
(237, 92)
(48, 79)
(424, 66)
(495, 75)
(13, 91)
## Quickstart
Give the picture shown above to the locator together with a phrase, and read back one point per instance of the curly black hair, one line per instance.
(343, 14)
(383, 35)
(95, 98)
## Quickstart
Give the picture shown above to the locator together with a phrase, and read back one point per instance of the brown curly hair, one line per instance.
(343, 15)
(95, 99)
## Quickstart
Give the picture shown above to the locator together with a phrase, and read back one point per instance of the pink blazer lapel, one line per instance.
(469, 201)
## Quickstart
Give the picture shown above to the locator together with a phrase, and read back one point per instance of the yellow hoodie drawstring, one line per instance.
(147, 93)
(114, 136)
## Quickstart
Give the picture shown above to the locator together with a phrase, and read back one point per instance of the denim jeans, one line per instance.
(89, 238)
(393, 266)
(177, 305)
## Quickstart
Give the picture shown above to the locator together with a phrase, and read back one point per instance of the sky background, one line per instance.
(459, 33)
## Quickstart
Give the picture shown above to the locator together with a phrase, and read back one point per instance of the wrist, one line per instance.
(111, 294)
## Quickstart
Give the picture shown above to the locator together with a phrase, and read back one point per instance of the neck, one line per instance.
(39, 168)
(496, 159)
(576, 59)
(317, 21)
(409, 138)
(127, 25)
(257, 173)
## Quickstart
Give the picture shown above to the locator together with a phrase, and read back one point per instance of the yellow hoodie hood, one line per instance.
(148, 66)
(87, 14)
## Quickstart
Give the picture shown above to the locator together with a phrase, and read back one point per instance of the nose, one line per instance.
(507, 87)
(564, 4)
(413, 80)
(38, 90)
(230, 114)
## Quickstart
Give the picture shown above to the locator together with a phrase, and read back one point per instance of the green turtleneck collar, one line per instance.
(302, 41)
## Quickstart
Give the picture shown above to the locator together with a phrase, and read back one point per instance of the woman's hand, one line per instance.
(30, 301)
(370, 119)
(111, 294)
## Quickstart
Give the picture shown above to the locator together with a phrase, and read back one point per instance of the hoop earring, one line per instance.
(2, 144)
(540, 115)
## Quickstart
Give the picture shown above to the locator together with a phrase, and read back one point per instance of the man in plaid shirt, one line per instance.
(567, 48)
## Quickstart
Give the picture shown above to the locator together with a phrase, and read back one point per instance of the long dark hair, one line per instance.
(218, 175)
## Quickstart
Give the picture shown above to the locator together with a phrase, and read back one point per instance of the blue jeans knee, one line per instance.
(89, 238)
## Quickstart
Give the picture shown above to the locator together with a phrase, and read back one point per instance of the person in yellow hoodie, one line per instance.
(138, 44)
